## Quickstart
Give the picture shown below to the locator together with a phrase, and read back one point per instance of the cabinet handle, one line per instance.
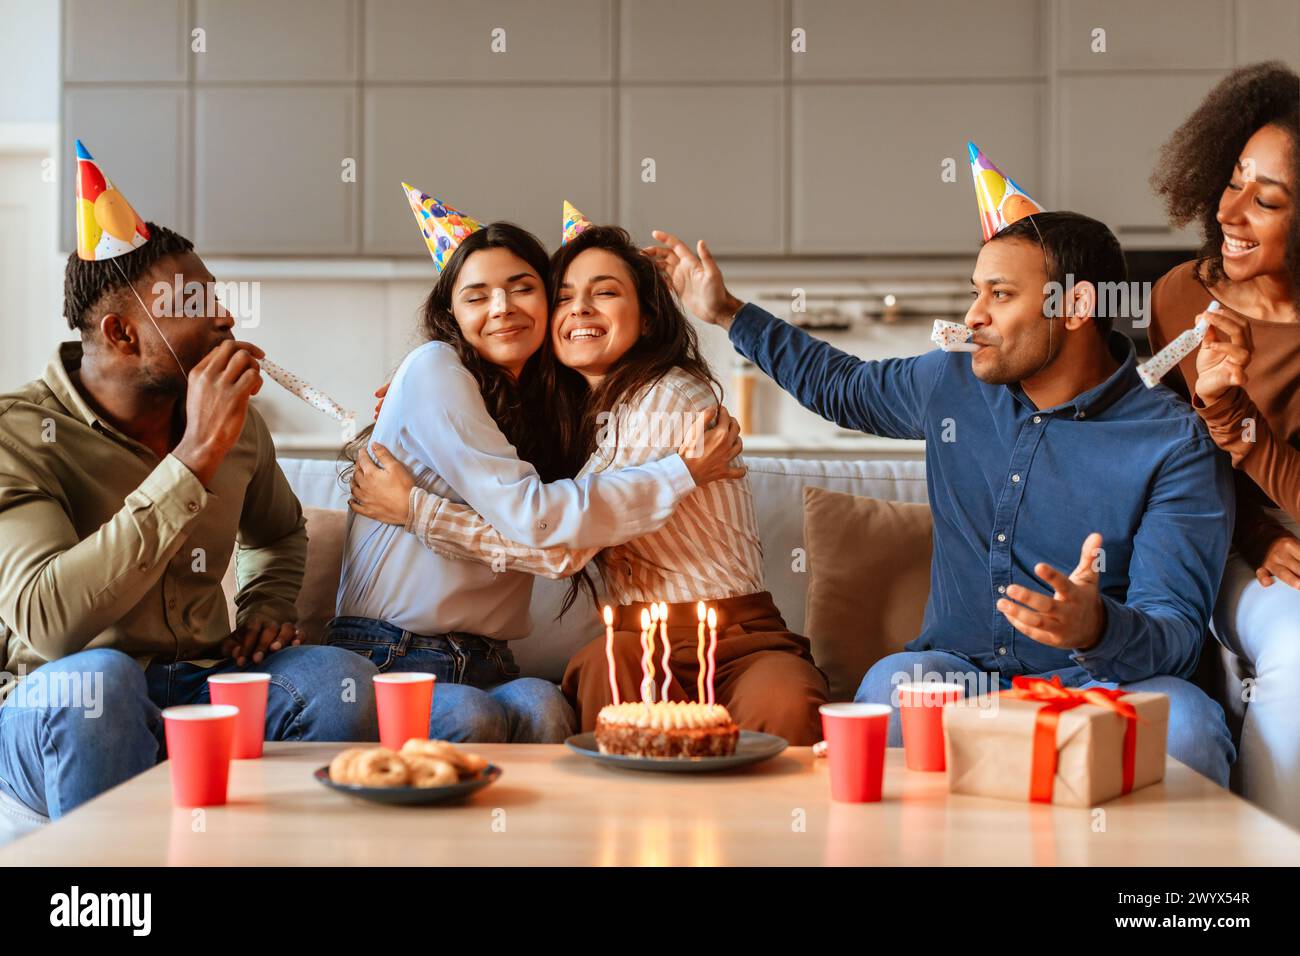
(1145, 230)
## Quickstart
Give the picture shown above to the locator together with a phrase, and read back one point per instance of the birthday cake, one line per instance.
(666, 729)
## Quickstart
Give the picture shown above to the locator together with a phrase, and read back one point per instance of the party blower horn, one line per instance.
(1183, 345)
(108, 227)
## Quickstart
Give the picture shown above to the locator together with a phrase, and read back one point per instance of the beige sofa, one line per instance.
(894, 591)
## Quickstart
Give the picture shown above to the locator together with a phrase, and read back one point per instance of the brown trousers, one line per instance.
(764, 673)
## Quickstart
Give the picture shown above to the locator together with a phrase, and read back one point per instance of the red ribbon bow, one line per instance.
(1056, 700)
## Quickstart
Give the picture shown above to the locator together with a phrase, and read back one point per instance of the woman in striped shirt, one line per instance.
(634, 385)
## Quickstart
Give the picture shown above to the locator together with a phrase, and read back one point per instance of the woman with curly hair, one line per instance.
(1234, 167)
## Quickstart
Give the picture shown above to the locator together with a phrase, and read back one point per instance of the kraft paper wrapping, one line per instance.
(989, 749)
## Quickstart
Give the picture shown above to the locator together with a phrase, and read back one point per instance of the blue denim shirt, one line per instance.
(1011, 485)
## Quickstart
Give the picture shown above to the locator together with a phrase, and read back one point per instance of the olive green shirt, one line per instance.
(102, 544)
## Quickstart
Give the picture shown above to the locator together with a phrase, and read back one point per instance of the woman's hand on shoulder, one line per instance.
(712, 442)
(381, 491)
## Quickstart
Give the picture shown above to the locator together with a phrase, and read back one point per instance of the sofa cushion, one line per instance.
(869, 577)
(326, 528)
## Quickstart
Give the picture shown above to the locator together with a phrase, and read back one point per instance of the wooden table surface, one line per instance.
(553, 807)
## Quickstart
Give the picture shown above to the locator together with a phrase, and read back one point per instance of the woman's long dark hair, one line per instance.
(668, 341)
(522, 408)
(1196, 164)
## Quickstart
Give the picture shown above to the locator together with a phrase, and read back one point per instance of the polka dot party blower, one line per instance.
(1183, 345)
(108, 227)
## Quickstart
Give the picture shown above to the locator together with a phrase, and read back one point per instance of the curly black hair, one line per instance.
(87, 283)
(1197, 162)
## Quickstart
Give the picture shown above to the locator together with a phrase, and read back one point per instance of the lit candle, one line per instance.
(663, 633)
(713, 648)
(647, 659)
(699, 654)
(609, 653)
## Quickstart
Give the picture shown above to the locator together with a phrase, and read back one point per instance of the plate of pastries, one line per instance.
(423, 772)
(676, 736)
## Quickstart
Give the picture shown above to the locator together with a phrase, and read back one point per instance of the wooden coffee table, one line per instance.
(555, 808)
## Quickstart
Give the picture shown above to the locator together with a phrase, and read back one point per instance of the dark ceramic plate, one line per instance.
(752, 747)
(413, 796)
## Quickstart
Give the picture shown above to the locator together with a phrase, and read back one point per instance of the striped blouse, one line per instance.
(708, 550)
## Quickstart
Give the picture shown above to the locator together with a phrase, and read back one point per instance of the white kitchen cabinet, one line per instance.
(488, 41)
(137, 135)
(1268, 30)
(701, 40)
(1144, 35)
(931, 39)
(294, 40)
(502, 152)
(1112, 128)
(718, 165)
(125, 40)
(268, 170)
(868, 162)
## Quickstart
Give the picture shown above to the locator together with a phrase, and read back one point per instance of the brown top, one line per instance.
(1263, 449)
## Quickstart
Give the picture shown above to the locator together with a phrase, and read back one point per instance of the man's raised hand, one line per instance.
(697, 281)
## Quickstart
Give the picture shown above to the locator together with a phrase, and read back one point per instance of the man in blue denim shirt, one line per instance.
(1043, 451)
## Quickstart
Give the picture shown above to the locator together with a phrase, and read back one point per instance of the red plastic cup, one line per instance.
(856, 735)
(199, 741)
(247, 692)
(404, 701)
(920, 709)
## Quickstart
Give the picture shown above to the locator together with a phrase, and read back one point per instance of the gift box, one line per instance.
(1046, 743)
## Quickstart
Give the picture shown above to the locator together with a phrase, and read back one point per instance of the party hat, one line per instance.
(443, 227)
(574, 222)
(107, 226)
(1001, 201)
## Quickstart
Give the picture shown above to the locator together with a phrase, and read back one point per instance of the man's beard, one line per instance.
(1005, 374)
(164, 381)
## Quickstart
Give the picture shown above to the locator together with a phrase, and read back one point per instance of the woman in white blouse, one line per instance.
(468, 413)
(631, 381)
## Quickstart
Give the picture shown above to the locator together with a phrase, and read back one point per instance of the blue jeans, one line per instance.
(61, 749)
(479, 695)
(1261, 625)
(1198, 733)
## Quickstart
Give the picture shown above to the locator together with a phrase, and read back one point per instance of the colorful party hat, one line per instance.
(574, 222)
(107, 226)
(443, 227)
(1001, 201)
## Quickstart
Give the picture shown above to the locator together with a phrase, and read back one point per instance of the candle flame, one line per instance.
(608, 615)
(645, 619)
(713, 617)
(699, 610)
